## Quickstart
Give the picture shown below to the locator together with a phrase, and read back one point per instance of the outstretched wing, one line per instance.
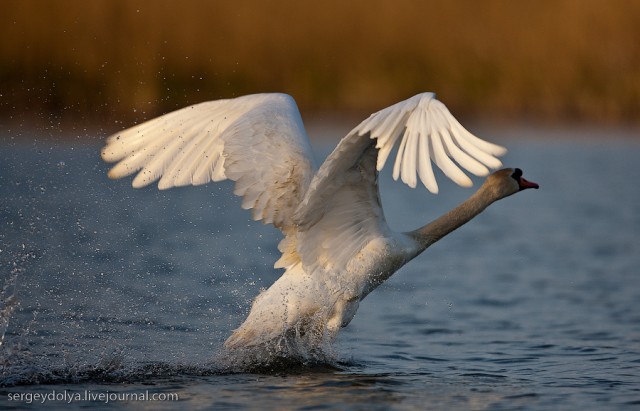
(428, 132)
(258, 141)
(341, 212)
(424, 131)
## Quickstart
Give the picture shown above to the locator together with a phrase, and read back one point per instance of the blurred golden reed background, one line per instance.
(100, 61)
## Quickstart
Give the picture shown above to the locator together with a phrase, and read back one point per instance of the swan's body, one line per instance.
(337, 246)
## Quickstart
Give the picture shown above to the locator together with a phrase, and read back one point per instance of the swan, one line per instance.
(336, 246)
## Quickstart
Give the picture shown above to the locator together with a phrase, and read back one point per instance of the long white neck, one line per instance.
(443, 225)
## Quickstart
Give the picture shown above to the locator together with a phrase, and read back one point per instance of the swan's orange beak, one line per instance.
(524, 184)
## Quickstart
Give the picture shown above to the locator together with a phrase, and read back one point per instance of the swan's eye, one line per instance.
(517, 174)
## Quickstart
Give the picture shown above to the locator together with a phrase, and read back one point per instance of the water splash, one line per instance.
(8, 298)
(9, 302)
(288, 352)
(118, 368)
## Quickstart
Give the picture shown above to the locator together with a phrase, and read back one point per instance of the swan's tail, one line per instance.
(267, 337)
(305, 343)
(266, 327)
(287, 320)
(251, 335)
(271, 315)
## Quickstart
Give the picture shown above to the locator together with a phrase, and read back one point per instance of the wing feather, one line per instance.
(423, 130)
(389, 124)
(212, 156)
(462, 158)
(410, 158)
(443, 161)
(182, 171)
(258, 141)
(397, 165)
(424, 167)
(355, 218)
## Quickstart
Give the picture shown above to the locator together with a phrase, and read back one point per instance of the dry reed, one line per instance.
(107, 59)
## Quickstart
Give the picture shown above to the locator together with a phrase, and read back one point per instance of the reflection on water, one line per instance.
(531, 305)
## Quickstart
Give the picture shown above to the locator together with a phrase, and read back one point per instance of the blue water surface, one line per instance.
(533, 305)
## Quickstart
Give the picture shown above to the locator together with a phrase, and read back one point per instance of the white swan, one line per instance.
(337, 246)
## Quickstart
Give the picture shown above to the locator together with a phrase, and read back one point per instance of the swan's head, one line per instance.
(508, 181)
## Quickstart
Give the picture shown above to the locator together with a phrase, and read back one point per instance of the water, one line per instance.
(533, 305)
